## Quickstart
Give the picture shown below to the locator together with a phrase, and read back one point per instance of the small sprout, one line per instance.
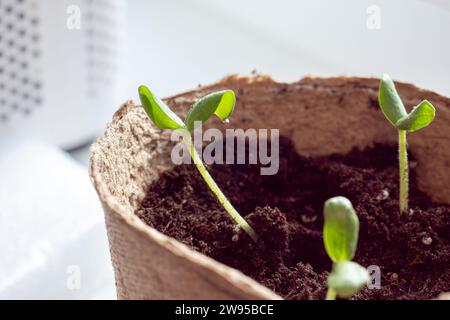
(221, 104)
(340, 236)
(419, 117)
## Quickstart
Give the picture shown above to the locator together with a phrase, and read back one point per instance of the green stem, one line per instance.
(403, 167)
(331, 294)
(216, 190)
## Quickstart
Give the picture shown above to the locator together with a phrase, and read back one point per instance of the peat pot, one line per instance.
(322, 116)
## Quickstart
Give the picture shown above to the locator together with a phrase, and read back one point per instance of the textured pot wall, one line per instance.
(322, 116)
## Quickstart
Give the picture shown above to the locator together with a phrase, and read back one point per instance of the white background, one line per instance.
(175, 44)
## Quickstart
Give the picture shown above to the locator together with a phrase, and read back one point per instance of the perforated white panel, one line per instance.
(59, 82)
(20, 52)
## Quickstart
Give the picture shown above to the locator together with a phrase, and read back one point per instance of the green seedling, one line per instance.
(419, 117)
(221, 104)
(340, 236)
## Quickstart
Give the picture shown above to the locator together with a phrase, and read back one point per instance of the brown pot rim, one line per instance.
(233, 276)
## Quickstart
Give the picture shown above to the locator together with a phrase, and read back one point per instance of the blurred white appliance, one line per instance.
(62, 67)
(52, 234)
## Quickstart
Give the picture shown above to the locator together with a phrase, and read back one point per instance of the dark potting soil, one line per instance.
(412, 250)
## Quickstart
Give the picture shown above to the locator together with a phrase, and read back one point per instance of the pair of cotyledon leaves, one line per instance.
(220, 103)
(394, 110)
(340, 235)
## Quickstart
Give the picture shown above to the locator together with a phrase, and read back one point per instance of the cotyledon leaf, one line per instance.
(340, 230)
(347, 277)
(420, 117)
(390, 102)
(160, 113)
(220, 103)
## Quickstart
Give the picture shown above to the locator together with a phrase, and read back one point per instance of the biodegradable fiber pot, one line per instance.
(322, 116)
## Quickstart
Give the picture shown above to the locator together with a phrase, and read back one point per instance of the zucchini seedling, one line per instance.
(420, 116)
(221, 104)
(340, 236)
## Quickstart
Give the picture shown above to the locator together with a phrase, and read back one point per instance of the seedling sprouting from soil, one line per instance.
(419, 117)
(340, 236)
(220, 103)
